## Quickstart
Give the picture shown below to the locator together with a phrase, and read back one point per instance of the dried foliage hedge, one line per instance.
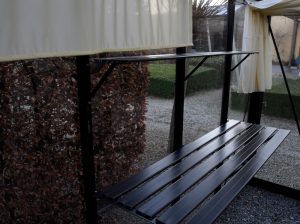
(41, 171)
(118, 119)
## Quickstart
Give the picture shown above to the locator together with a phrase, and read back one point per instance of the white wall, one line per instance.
(283, 31)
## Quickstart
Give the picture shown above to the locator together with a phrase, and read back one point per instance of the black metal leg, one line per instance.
(228, 60)
(179, 100)
(255, 107)
(86, 137)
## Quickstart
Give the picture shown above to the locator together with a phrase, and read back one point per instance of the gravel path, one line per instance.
(202, 114)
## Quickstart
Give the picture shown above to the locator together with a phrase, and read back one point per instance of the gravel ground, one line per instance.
(202, 114)
(254, 205)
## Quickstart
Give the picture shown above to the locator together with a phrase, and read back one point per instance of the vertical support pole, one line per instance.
(255, 107)
(86, 137)
(179, 99)
(228, 60)
(294, 40)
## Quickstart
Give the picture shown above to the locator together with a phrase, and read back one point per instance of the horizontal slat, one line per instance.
(135, 197)
(218, 203)
(192, 199)
(125, 186)
(188, 166)
(169, 194)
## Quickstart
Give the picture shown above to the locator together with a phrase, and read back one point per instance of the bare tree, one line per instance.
(202, 9)
(205, 8)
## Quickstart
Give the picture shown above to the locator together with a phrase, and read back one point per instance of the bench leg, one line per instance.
(255, 107)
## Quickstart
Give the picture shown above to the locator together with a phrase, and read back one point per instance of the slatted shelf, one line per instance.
(160, 57)
(202, 177)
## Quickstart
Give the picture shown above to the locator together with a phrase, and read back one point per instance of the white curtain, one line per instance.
(47, 28)
(256, 72)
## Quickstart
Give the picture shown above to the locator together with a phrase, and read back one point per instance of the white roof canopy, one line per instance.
(47, 28)
(256, 73)
(277, 7)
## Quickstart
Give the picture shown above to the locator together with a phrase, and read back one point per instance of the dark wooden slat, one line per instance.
(218, 203)
(125, 186)
(135, 197)
(169, 194)
(191, 200)
(143, 58)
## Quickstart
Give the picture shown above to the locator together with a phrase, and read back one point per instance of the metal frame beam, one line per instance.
(195, 69)
(240, 62)
(103, 79)
(284, 76)
(205, 58)
(275, 188)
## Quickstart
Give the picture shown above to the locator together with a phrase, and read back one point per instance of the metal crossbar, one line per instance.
(195, 69)
(103, 79)
(238, 64)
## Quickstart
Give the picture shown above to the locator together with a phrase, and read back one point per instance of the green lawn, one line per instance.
(276, 100)
(280, 88)
(162, 80)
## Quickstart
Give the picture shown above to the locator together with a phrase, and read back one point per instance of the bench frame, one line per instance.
(138, 193)
(85, 94)
(84, 87)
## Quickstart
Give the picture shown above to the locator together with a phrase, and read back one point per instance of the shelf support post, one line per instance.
(86, 137)
(179, 100)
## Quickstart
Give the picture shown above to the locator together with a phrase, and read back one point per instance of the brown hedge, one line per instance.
(41, 171)
(118, 121)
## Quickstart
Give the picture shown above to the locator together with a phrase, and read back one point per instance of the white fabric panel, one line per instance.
(47, 28)
(277, 7)
(256, 72)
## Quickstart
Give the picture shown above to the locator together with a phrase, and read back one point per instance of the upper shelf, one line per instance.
(142, 58)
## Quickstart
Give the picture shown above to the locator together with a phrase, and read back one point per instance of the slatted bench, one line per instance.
(195, 183)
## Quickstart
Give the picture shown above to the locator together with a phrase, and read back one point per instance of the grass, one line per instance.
(276, 101)
(162, 80)
(280, 88)
(212, 61)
